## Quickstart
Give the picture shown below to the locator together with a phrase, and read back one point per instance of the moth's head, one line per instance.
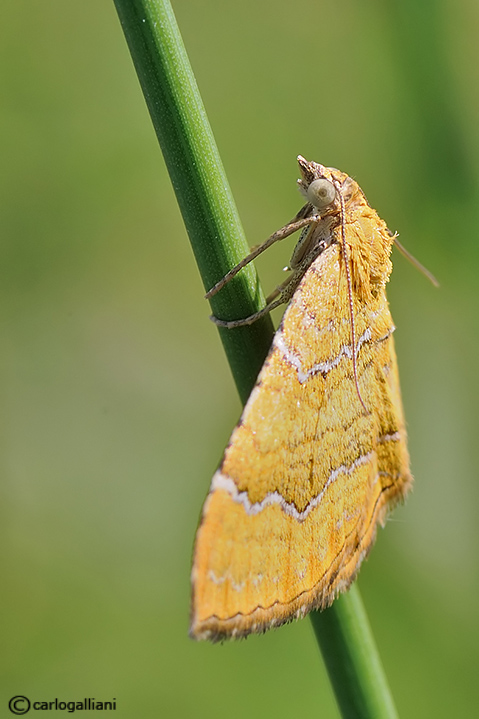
(320, 185)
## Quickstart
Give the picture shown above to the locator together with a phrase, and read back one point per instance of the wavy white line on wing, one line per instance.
(221, 481)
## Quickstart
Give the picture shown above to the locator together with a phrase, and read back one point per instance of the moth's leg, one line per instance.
(297, 223)
(278, 290)
(247, 320)
(285, 291)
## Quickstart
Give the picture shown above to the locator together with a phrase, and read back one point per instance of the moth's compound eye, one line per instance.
(321, 193)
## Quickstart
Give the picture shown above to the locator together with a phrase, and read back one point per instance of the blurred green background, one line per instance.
(116, 397)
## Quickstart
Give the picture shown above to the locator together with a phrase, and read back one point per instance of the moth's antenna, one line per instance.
(423, 270)
(350, 291)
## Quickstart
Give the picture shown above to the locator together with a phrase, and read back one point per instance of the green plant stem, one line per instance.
(218, 241)
(352, 659)
(197, 175)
